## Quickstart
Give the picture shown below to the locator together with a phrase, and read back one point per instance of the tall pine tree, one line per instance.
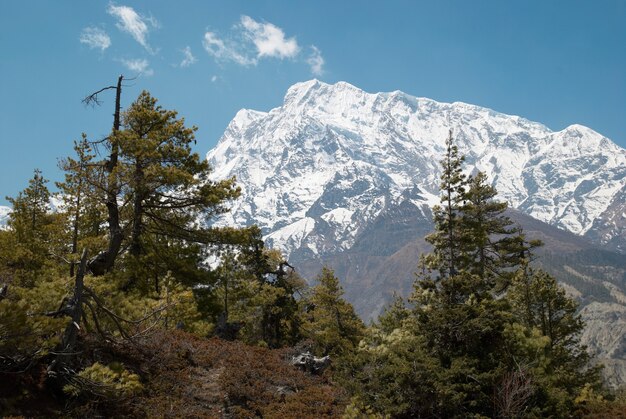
(446, 239)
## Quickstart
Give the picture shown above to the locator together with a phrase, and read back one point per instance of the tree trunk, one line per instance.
(135, 240)
(75, 311)
(75, 226)
(116, 234)
(104, 262)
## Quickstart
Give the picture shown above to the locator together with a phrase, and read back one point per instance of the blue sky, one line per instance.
(557, 63)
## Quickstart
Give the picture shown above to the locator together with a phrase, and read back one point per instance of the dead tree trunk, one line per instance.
(104, 262)
(73, 308)
(76, 226)
(115, 231)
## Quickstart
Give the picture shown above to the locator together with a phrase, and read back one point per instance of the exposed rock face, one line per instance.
(342, 177)
(311, 364)
(321, 167)
(607, 344)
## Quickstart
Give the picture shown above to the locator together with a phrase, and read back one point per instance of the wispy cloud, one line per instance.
(251, 41)
(223, 50)
(316, 61)
(95, 38)
(133, 23)
(138, 65)
(269, 39)
(188, 58)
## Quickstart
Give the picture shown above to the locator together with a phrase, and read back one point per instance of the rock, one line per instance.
(309, 363)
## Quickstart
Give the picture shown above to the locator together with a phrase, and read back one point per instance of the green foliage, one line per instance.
(485, 335)
(111, 382)
(166, 189)
(492, 247)
(356, 409)
(83, 211)
(33, 233)
(446, 239)
(25, 332)
(330, 321)
(542, 307)
(391, 374)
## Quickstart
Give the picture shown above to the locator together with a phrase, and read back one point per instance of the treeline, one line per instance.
(130, 252)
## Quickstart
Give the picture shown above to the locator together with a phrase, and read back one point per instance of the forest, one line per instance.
(121, 296)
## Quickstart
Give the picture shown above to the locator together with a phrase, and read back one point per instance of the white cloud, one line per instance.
(214, 79)
(316, 61)
(225, 50)
(95, 38)
(139, 65)
(269, 39)
(188, 59)
(134, 24)
(250, 42)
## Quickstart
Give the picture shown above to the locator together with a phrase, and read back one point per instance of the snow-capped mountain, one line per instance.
(4, 216)
(340, 177)
(317, 170)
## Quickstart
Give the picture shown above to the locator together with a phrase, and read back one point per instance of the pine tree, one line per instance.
(168, 186)
(164, 189)
(32, 229)
(539, 304)
(493, 247)
(446, 239)
(391, 373)
(331, 321)
(30, 209)
(458, 314)
(83, 208)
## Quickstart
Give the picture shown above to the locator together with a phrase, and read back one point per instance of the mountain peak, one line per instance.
(297, 157)
(299, 90)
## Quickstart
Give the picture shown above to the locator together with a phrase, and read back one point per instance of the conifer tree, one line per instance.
(30, 209)
(446, 239)
(540, 304)
(32, 229)
(331, 321)
(492, 246)
(167, 186)
(82, 198)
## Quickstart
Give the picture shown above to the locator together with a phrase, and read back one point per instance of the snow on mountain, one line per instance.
(4, 216)
(316, 170)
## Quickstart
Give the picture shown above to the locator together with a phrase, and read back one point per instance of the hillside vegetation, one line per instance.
(108, 306)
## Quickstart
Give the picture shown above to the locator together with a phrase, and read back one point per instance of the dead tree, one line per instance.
(84, 300)
(104, 261)
(72, 307)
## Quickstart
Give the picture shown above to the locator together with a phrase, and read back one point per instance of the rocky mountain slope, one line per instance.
(333, 156)
(347, 178)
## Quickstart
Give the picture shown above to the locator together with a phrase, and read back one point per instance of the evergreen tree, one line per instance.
(82, 199)
(542, 307)
(492, 246)
(33, 230)
(393, 316)
(258, 293)
(446, 239)
(486, 336)
(31, 210)
(164, 190)
(331, 321)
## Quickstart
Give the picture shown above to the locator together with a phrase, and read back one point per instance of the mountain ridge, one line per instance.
(325, 134)
(344, 178)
